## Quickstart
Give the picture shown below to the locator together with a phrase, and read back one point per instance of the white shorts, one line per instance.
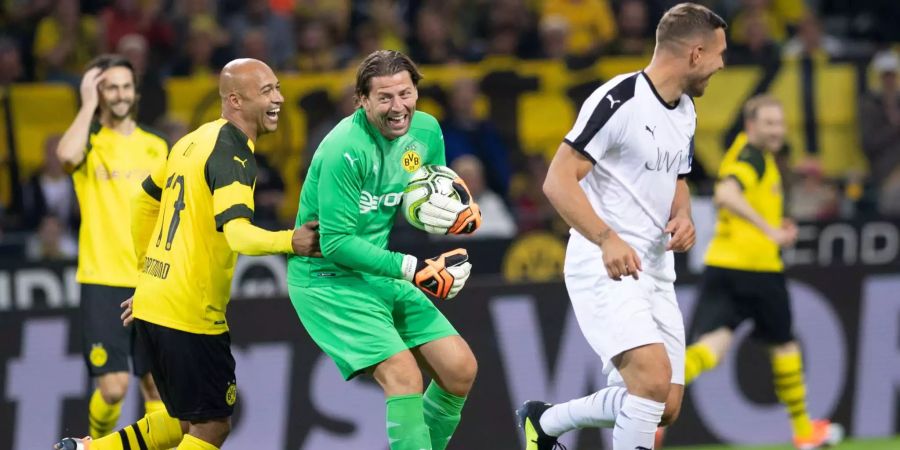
(616, 316)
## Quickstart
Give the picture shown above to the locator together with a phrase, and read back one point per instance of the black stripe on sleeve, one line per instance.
(736, 179)
(230, 160)
(233, 212)
(582, 151)
(608, 105)
(152, 189)
(754, 156)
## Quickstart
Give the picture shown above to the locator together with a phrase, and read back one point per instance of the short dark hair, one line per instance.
(685, 20)
(382, 63)
(108, 60)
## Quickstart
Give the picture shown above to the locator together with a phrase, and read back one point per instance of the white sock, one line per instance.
(596, 410)
(636, 423)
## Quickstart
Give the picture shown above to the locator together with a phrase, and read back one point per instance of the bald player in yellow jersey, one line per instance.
(189, 223)
(744, 276)
(109, 155)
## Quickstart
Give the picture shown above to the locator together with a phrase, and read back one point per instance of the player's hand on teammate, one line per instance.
(444, 215)
(305, 241)
(619, 258)
(90, 83)
(442, 276)
(127, 315)
(683, 234)
(785, 236)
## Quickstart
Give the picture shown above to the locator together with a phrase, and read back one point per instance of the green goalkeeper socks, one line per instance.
(442, 414)
(406, 428)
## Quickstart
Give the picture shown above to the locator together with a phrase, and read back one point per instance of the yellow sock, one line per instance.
(156, 431)
(698, 358)
(192, 443)
(787, 369)
(102, 416)
(152, 406)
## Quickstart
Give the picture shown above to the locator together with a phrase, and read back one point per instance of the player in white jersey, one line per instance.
(617, 180)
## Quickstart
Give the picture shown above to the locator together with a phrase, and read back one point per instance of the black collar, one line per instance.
(658, 97)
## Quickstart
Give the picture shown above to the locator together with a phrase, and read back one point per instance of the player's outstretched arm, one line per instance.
(73, 144)
(339, 192)
(561, 188)
(248, 239)
(729, 195)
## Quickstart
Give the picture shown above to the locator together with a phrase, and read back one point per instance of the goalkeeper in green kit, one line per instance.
(362, 304)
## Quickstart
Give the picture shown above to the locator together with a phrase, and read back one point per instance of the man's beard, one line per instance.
(696, 88)
(115, 115)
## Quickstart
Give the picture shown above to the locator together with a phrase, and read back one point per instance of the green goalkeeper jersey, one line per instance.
(354, 188)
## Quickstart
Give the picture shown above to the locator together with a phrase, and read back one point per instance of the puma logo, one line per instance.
(242, 161)
(652, 131)
(349, 158)
(612, 101)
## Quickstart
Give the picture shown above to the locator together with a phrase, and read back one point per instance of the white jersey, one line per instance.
(639, 146)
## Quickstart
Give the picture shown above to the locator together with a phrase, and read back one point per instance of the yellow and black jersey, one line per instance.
(738, 244)
(111, 172)
(185, 280)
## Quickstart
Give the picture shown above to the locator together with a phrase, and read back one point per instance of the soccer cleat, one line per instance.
(73, 444)
(825, 434)
(529, 418)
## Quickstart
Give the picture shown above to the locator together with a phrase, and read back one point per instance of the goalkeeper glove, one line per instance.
(442, 276)
(444, 215)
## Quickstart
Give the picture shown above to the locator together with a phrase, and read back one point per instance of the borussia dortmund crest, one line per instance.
(98, 355)
(411, 160)
(231, 394)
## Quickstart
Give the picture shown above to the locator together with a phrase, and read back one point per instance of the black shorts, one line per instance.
(728, 297)
(106, 344)
(194, 373)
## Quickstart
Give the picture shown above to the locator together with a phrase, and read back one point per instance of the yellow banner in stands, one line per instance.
(533, 103)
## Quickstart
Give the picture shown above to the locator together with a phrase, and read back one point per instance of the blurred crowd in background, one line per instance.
(52, 40)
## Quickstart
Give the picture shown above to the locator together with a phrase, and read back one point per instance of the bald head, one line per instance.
(251, 96)
(239, 74)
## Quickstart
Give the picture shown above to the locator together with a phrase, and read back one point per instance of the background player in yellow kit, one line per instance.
(189, 224)
(744, 276)
(109, 155)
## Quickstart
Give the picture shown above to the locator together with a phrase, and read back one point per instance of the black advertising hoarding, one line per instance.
(846, 302)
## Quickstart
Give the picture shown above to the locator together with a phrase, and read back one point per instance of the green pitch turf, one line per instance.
(876, 444)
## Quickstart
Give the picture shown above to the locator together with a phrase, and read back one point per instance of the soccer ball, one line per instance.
(432, 179)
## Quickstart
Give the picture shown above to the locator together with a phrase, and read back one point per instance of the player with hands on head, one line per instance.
(108, 155)
(189, 220)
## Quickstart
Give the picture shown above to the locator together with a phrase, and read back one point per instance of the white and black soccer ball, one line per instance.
(431, 179)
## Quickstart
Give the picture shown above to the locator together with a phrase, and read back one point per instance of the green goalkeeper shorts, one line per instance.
(362, 323)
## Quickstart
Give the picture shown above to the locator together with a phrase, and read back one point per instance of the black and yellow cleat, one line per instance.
(529, 418)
